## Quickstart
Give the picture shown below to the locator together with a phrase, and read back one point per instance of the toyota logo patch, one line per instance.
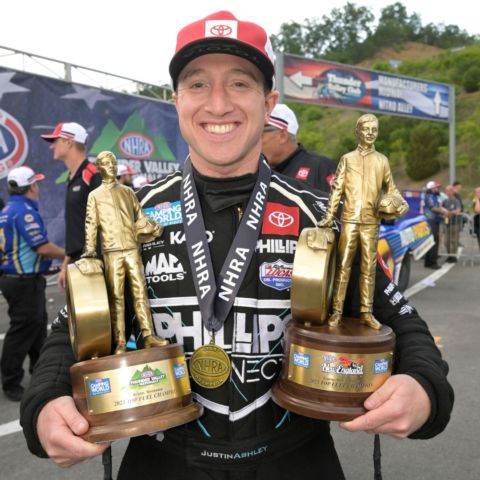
(281, 219)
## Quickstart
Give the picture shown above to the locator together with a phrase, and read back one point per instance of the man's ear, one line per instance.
(271, 100)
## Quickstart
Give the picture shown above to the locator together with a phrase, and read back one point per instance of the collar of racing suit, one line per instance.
(221, 193)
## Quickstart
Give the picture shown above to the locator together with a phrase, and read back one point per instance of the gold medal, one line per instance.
(210, 366)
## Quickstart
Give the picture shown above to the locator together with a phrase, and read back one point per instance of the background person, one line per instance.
(476, 214)
(285, 155)
(435, 214)
(125, 175)
(68, 144)
(25, 252)
(139, 181)
(453, 221)
(222, 100)
(457, 190)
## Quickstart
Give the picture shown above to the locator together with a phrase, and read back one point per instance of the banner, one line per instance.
(141, 132)
(337, 85)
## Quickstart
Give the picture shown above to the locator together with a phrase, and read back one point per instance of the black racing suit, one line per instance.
(243, 434)
(312, 168)
(85, 180)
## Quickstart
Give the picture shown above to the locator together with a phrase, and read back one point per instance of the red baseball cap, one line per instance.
(71, 130)
(222, 32)
(125, 169)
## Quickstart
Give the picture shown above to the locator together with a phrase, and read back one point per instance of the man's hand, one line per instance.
(398, 408)
(61, 280)
(58, 425)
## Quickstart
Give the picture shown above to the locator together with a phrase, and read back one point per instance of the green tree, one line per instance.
(471, 79)
(423, 151)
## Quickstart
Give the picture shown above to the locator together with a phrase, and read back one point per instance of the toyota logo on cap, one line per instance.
(281, 219)
(221, 31)
(221, 28)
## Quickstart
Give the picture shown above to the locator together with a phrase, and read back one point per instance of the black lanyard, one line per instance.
(215, 298)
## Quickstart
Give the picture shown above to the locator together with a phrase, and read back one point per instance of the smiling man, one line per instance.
(219, 283)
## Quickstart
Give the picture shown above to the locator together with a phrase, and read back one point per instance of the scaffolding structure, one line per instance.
(70, 72)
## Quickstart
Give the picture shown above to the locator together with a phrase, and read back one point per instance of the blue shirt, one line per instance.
(432, 200)
(21, 231)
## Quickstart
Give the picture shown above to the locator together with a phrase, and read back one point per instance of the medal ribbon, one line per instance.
(215, 298)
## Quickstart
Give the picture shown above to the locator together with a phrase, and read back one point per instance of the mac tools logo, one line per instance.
(164, 268)
(13, 143)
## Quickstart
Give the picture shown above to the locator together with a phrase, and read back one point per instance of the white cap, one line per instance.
(140, 181)
(125, 169)
(24, 176)
(71, 130)
(283, 117)
(433, 184)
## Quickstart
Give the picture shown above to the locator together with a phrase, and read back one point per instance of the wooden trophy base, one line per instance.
(134, 393)
(328, 372)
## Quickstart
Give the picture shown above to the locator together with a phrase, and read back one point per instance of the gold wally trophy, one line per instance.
(128, 393)
(333, 362)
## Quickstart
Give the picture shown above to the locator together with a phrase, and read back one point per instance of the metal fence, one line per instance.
(468, 243)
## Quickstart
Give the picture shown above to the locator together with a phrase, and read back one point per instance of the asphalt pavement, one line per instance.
(448, 301)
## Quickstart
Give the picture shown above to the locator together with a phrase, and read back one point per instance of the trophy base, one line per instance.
(134, 393)
(143, 426)
(330, 371)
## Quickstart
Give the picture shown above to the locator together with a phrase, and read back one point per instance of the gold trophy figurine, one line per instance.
(364, 179)
(129, 393)
(114, 210)
(331, 368)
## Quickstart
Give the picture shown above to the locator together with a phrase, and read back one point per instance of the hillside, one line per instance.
(409, 51)
(331, 131)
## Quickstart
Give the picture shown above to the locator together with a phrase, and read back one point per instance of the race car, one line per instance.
(401, 240)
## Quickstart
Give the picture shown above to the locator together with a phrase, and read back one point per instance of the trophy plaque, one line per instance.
(127, 394)
(328, 372)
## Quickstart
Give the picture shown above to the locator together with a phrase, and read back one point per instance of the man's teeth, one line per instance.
(219, 129)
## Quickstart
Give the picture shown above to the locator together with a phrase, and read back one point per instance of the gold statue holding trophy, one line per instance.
(332, 366)
(364, 180)
(128, 393)
(113, 209)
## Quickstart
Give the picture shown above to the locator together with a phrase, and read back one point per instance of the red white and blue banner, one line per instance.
(337, 85)
(141, 132)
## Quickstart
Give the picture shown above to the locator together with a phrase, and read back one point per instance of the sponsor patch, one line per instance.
(301, 359)
(277, 275)
(147, 376)
(330, 179)
(381, 365)
(345, 366)
(166, 213)
(276, 245)
(178, 237)
(99, 386)
(179, 370)
(281, 220)
(28, 217)
(32, 226)
(164, 268)
(302, 173)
